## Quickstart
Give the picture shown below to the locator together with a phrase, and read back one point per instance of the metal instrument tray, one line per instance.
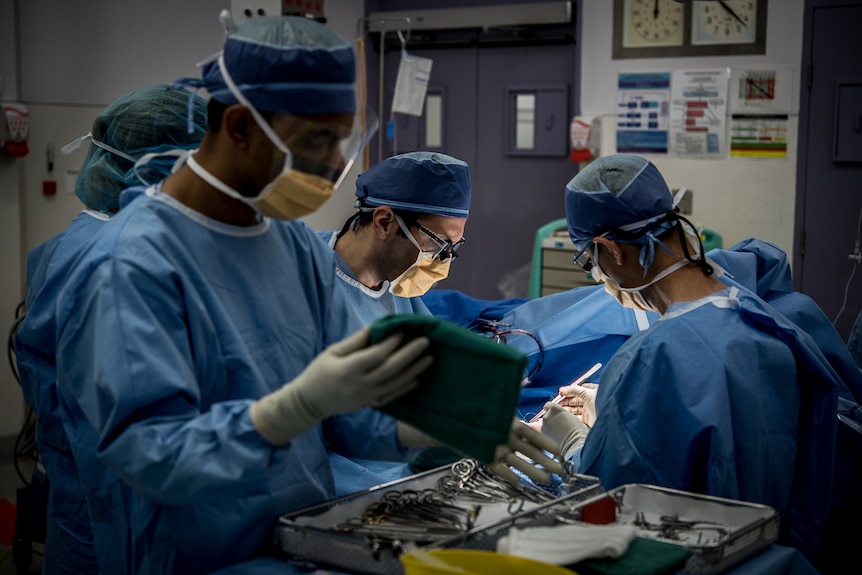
(719, 532)
(311, 535)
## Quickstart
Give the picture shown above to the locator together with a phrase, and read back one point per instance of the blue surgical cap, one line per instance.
(423, 182)
(612, 192)
(616, 191)
(150, 120)
(286, 64)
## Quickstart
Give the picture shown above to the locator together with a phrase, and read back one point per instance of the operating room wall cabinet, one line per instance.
(558, 272)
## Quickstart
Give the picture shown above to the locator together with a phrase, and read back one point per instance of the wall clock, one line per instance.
(653, 23)
(670, 28)
(724, 22)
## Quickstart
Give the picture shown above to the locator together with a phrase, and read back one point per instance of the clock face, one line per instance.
(725, 22)
(653, 23)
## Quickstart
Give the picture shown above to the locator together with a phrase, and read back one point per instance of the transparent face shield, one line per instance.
(324, 151)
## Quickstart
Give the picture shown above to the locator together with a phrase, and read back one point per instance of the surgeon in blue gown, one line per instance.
(187, 329)
(411, 213)
(147, 120)
(763, 267)
(412, 210)
(722, 395)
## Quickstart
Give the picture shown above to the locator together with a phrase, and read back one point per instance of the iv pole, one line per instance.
(382, 22)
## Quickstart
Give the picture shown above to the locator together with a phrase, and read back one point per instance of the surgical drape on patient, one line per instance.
(468, 396)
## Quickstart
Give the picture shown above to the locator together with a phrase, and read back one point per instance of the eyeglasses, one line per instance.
(583, 259)
(447, 250)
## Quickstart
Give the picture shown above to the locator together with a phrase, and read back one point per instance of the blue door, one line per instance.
(482, 85)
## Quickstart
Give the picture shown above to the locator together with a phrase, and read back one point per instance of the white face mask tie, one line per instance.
(78, 142)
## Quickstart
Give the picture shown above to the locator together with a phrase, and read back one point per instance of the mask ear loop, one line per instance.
(407, 233)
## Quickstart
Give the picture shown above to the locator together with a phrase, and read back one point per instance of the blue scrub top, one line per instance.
(171, 326)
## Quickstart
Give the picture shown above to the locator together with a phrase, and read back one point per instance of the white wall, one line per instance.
(738, 198)
(11, 403)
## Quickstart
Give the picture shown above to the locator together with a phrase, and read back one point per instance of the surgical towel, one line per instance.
(467, 398)
(643, 557)
(567, 544)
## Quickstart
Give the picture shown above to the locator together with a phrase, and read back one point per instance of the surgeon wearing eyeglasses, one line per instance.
(411, 213)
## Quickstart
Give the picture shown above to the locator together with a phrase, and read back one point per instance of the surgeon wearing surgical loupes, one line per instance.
(411, 211)
(709, 398)
(409, 225)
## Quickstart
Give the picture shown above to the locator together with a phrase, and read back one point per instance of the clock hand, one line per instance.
(732, 13)
(655, 10)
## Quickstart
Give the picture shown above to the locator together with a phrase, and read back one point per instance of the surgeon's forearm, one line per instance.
(411, 437)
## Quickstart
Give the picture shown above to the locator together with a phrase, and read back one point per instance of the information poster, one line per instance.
(760, 111)
(759, 135)
(699, 112)
(643, 102)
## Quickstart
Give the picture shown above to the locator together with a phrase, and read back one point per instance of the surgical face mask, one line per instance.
(317, 157)
(421, 276)
(630, 297)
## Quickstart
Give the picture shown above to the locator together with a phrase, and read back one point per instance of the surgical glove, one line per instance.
(567, 430)
(346, 376)
(580, 400)
(526, 452)
(410, 437)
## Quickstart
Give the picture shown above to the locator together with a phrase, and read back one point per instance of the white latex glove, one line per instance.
(580, 400)
(567, 430)
(526, 442)
(344, 377)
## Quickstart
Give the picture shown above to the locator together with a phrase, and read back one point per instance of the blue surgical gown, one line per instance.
(69, 538)
(353, 475)
(170, 327)
(722, 396)
(764, 269)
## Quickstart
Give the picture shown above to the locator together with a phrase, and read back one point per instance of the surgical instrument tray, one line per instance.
(719, 532)
(447, 507)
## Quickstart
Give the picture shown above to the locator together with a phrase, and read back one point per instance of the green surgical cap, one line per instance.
(467, 398)
(150, 120)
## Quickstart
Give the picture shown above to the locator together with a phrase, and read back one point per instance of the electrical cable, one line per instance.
(856, 257)
(25, 441)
